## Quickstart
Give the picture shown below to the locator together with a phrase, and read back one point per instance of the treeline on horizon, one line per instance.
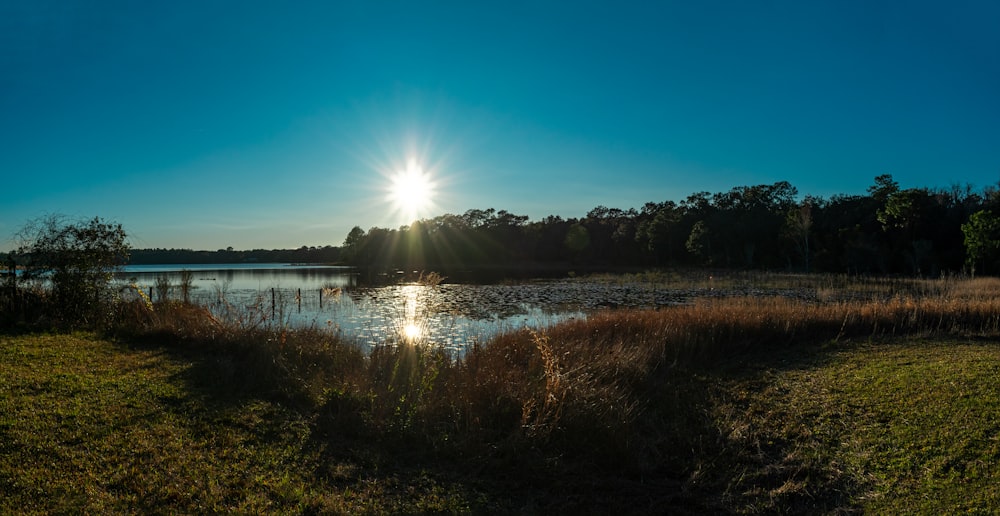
(916, 231)
(304, 254)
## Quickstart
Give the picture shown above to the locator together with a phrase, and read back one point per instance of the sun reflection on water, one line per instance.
(411, 324)
(412, 332)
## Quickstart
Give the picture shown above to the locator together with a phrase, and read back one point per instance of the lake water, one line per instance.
(450, 315)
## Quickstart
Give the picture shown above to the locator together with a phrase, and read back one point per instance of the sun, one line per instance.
(412, 191)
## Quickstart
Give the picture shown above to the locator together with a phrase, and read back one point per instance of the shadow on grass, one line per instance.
(674, 459)
(433, 462)
(760, 465)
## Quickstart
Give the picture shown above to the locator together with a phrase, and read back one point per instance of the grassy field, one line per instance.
(87, 425)
(899, 427)
(760, 405)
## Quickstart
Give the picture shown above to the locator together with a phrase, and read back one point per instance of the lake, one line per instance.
(451, 315)
(328, 297)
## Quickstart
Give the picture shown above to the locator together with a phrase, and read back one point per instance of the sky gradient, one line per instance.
(205, 125)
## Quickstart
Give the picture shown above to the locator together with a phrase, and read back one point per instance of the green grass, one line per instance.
(904, 426)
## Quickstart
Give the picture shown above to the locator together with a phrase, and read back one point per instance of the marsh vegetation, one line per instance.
(869, 394)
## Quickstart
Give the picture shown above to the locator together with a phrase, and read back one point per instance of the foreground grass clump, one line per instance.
(725, 405)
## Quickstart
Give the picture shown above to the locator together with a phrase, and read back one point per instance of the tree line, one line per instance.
(888, 230)
(304, 254)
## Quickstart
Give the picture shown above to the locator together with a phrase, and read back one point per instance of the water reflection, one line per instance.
(258, 276)
(411, 330)
(444, 315)
(449, 315)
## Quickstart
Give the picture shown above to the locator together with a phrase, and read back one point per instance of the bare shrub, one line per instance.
(76, 260)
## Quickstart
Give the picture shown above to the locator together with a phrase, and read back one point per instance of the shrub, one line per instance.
(76, 260)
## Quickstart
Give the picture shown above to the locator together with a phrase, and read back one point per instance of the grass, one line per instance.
(937, 409)
(743, 405)
(895, 427)
(90, 426)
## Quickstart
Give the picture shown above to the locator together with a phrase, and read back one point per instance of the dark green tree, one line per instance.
(699, 242)
(884, 187)
(907, 217)
(577, 239)
(798, 226)
(982, 240)
(658, 233)
(352, 245)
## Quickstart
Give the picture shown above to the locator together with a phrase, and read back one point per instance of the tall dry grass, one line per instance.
(244, 352)
(621, 389)
(617, 387)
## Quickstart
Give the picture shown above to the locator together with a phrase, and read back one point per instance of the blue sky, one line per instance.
(275, 125)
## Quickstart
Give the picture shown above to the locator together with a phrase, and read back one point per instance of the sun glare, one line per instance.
(412, 332)
(412, 191)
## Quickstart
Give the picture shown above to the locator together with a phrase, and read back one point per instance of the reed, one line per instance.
(163, 288)
(430, 279)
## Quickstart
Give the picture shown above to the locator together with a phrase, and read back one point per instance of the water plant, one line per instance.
(185, 285)
(163, 288)
(430, 279)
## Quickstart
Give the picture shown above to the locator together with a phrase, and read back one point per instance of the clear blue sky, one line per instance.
(276, 124)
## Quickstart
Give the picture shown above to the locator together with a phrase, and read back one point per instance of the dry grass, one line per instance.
(620, 406)
(430, 279)
(582, 383)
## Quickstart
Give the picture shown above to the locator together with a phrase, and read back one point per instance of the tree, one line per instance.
(747, 222)
(577, 239)
(352, 244)
(658, 232)
(699, 242)
(906, 216)
(884, 186)
(982, 239)
(798, 224)
(79, 259)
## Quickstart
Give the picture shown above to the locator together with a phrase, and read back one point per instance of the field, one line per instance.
(734, 405)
